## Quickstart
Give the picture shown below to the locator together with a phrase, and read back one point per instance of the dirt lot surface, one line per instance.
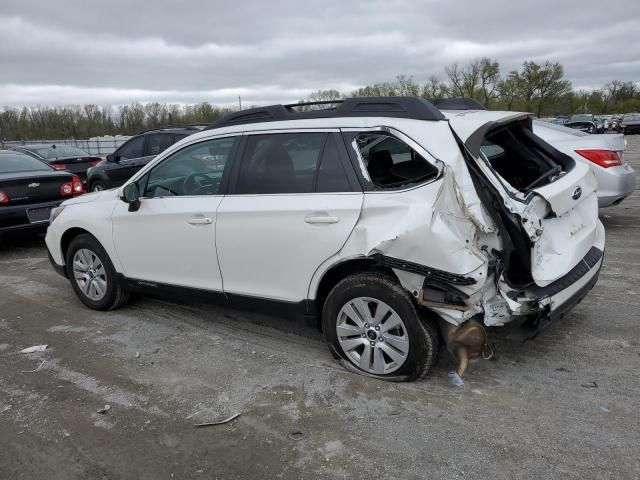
(564, 406)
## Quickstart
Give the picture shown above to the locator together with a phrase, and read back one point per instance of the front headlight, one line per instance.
(55, 212)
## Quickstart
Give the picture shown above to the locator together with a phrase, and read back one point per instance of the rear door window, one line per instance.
(132, 149)
(158, 142)
(280, 163)
(391, 162)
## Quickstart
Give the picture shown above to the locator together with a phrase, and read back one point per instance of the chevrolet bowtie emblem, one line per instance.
(34, 185)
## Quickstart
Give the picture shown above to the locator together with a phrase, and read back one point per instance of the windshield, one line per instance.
(16, 162)
(582, 118)
(631, 116)
(59, 151)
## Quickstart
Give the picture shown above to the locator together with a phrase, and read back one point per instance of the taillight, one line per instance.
(74, 187)
(4, 198)
(66, 189)
(59, 166)
(95, 161)
(78, 188)
(604, 158)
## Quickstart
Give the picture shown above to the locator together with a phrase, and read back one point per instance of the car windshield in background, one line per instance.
(582, 118)
(59, 151)
(14, 162)
(631, 117)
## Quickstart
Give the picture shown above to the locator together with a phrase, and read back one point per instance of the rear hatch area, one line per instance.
(547, 206)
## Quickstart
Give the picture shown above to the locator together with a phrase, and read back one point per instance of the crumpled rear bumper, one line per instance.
(562, 295)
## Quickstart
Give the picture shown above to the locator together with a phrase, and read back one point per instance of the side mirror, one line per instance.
(111, 157)
(131, 195)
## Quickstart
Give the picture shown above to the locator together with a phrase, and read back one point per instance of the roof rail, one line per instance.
(190, 126)
(458, 103)
(307, 104)
(396, 107)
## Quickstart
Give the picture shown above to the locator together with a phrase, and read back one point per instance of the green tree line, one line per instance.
(539, 88)
(75, 121)
(535, 87)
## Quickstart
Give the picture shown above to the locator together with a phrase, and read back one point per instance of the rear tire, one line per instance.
(92, 275)
(375, 327)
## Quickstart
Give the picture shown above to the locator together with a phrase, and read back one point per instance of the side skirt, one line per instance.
(292, 310)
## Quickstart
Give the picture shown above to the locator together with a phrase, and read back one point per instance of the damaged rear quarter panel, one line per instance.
(440, 225)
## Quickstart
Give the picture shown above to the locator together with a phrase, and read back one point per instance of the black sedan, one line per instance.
(586, 123)
(630, 123)
(29, 189)
(62, 157)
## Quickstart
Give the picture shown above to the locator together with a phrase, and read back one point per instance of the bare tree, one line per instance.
(508, 89)
(434, 88)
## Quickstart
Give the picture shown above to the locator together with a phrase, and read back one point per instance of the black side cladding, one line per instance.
(576, 273)
(439, 276)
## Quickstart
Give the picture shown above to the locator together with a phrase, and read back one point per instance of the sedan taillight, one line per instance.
(58, 166)
(78, 188)
(4, 198)
(66, 190)
(603, 158)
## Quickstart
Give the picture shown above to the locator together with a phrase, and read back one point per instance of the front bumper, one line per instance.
(60, 269)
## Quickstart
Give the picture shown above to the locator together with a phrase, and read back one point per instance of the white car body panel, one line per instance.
(270, 245)
(265, 248)
(169, 240)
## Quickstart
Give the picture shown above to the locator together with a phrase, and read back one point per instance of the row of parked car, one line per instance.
(394, 223)
(627, 124)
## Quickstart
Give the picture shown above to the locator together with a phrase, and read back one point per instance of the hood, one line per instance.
(92, 197)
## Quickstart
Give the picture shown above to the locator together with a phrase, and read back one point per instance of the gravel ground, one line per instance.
(564, 406)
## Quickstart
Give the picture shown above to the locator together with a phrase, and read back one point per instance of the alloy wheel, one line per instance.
(90, 274)
(372, 335)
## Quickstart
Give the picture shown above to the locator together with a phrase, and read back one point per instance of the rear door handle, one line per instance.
(321, 219)
(200, 221)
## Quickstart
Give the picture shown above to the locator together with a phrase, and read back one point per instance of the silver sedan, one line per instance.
(603, 153)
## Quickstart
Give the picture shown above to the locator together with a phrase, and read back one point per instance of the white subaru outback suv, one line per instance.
(390, 225)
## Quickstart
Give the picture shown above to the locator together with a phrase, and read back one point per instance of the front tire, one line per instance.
(374, 326)
(92, 275)
(98, 186)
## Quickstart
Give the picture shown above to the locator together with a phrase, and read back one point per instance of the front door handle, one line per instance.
(200, 221)
(321, 219)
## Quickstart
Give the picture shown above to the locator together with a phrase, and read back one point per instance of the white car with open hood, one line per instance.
(390, 225)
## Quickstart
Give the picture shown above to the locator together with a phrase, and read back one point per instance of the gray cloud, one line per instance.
(119, 51)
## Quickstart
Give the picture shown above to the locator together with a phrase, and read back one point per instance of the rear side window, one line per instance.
(392, 163)
(131, 149)
(158, 143)
(280, 163)
(16, 162)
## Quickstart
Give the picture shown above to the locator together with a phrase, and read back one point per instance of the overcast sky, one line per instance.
(119, 51)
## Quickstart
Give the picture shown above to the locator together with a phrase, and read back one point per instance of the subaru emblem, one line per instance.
(577, 193)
